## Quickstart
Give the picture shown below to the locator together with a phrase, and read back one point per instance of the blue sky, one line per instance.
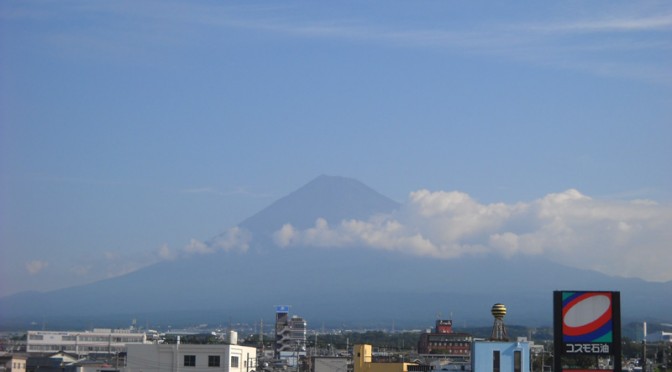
(129, 128)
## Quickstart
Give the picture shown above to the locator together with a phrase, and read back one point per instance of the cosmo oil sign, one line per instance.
(587, 323)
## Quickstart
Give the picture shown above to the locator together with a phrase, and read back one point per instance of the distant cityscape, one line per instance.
(292, 346)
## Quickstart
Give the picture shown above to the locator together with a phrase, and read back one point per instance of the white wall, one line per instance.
(162, 357)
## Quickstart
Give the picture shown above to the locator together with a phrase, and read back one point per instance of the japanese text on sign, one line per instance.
(586, 348)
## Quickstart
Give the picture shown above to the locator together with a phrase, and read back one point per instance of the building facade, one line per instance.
(660, 336)
(290, 334)
(194, 358)
(13, 362)
(362, 359)
(442, 340)
(329, 364)
(98, 341)
(500, 356)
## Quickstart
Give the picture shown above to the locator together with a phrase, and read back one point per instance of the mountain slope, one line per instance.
(332, 198)
(356, 285)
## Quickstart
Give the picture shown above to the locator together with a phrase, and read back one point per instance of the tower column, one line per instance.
(498, 329)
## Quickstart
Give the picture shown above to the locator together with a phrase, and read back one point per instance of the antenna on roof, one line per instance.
(261, 335)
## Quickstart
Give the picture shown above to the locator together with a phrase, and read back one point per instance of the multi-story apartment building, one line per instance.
(98, 341)
(290, 336)
(290, 333)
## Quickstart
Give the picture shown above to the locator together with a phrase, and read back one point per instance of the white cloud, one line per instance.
(284, 236)
(235, 239)
(123, 268)
(111, 256)
(627, 238)
(165, 253)
(81, 270)
(386, 234)
(198, 247)
(34, 267)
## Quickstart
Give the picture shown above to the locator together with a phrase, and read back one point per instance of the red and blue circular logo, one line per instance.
(587, 317)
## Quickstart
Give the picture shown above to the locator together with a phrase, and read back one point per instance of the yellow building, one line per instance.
(362, 358)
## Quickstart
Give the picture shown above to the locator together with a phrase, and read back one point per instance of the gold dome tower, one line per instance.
(498, 329)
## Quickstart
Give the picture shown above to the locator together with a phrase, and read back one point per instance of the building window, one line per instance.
(234, 362)
(517, 361)
(36, 337)
(495, 361)
(190, 360)
(213, 360)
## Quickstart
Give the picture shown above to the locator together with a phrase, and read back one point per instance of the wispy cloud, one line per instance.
(238, 191)
(600, 45)
(80, 180)
(607, 52)
(234, 239)
(579, 40)
(34, 267)
(627, 238)
(113, 263)
(202, 190)
(658, 22)
(81, 270)
(196, 246)
(167, 254)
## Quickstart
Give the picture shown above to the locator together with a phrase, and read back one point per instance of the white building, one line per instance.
(329, 364)
(194, 358)
(660, 336)
(98, 341)
(13, 362)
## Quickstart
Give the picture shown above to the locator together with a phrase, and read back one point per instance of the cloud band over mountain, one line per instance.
(624, 238)
(614, 237)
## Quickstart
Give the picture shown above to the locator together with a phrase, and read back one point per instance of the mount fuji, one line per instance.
(351, 285)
